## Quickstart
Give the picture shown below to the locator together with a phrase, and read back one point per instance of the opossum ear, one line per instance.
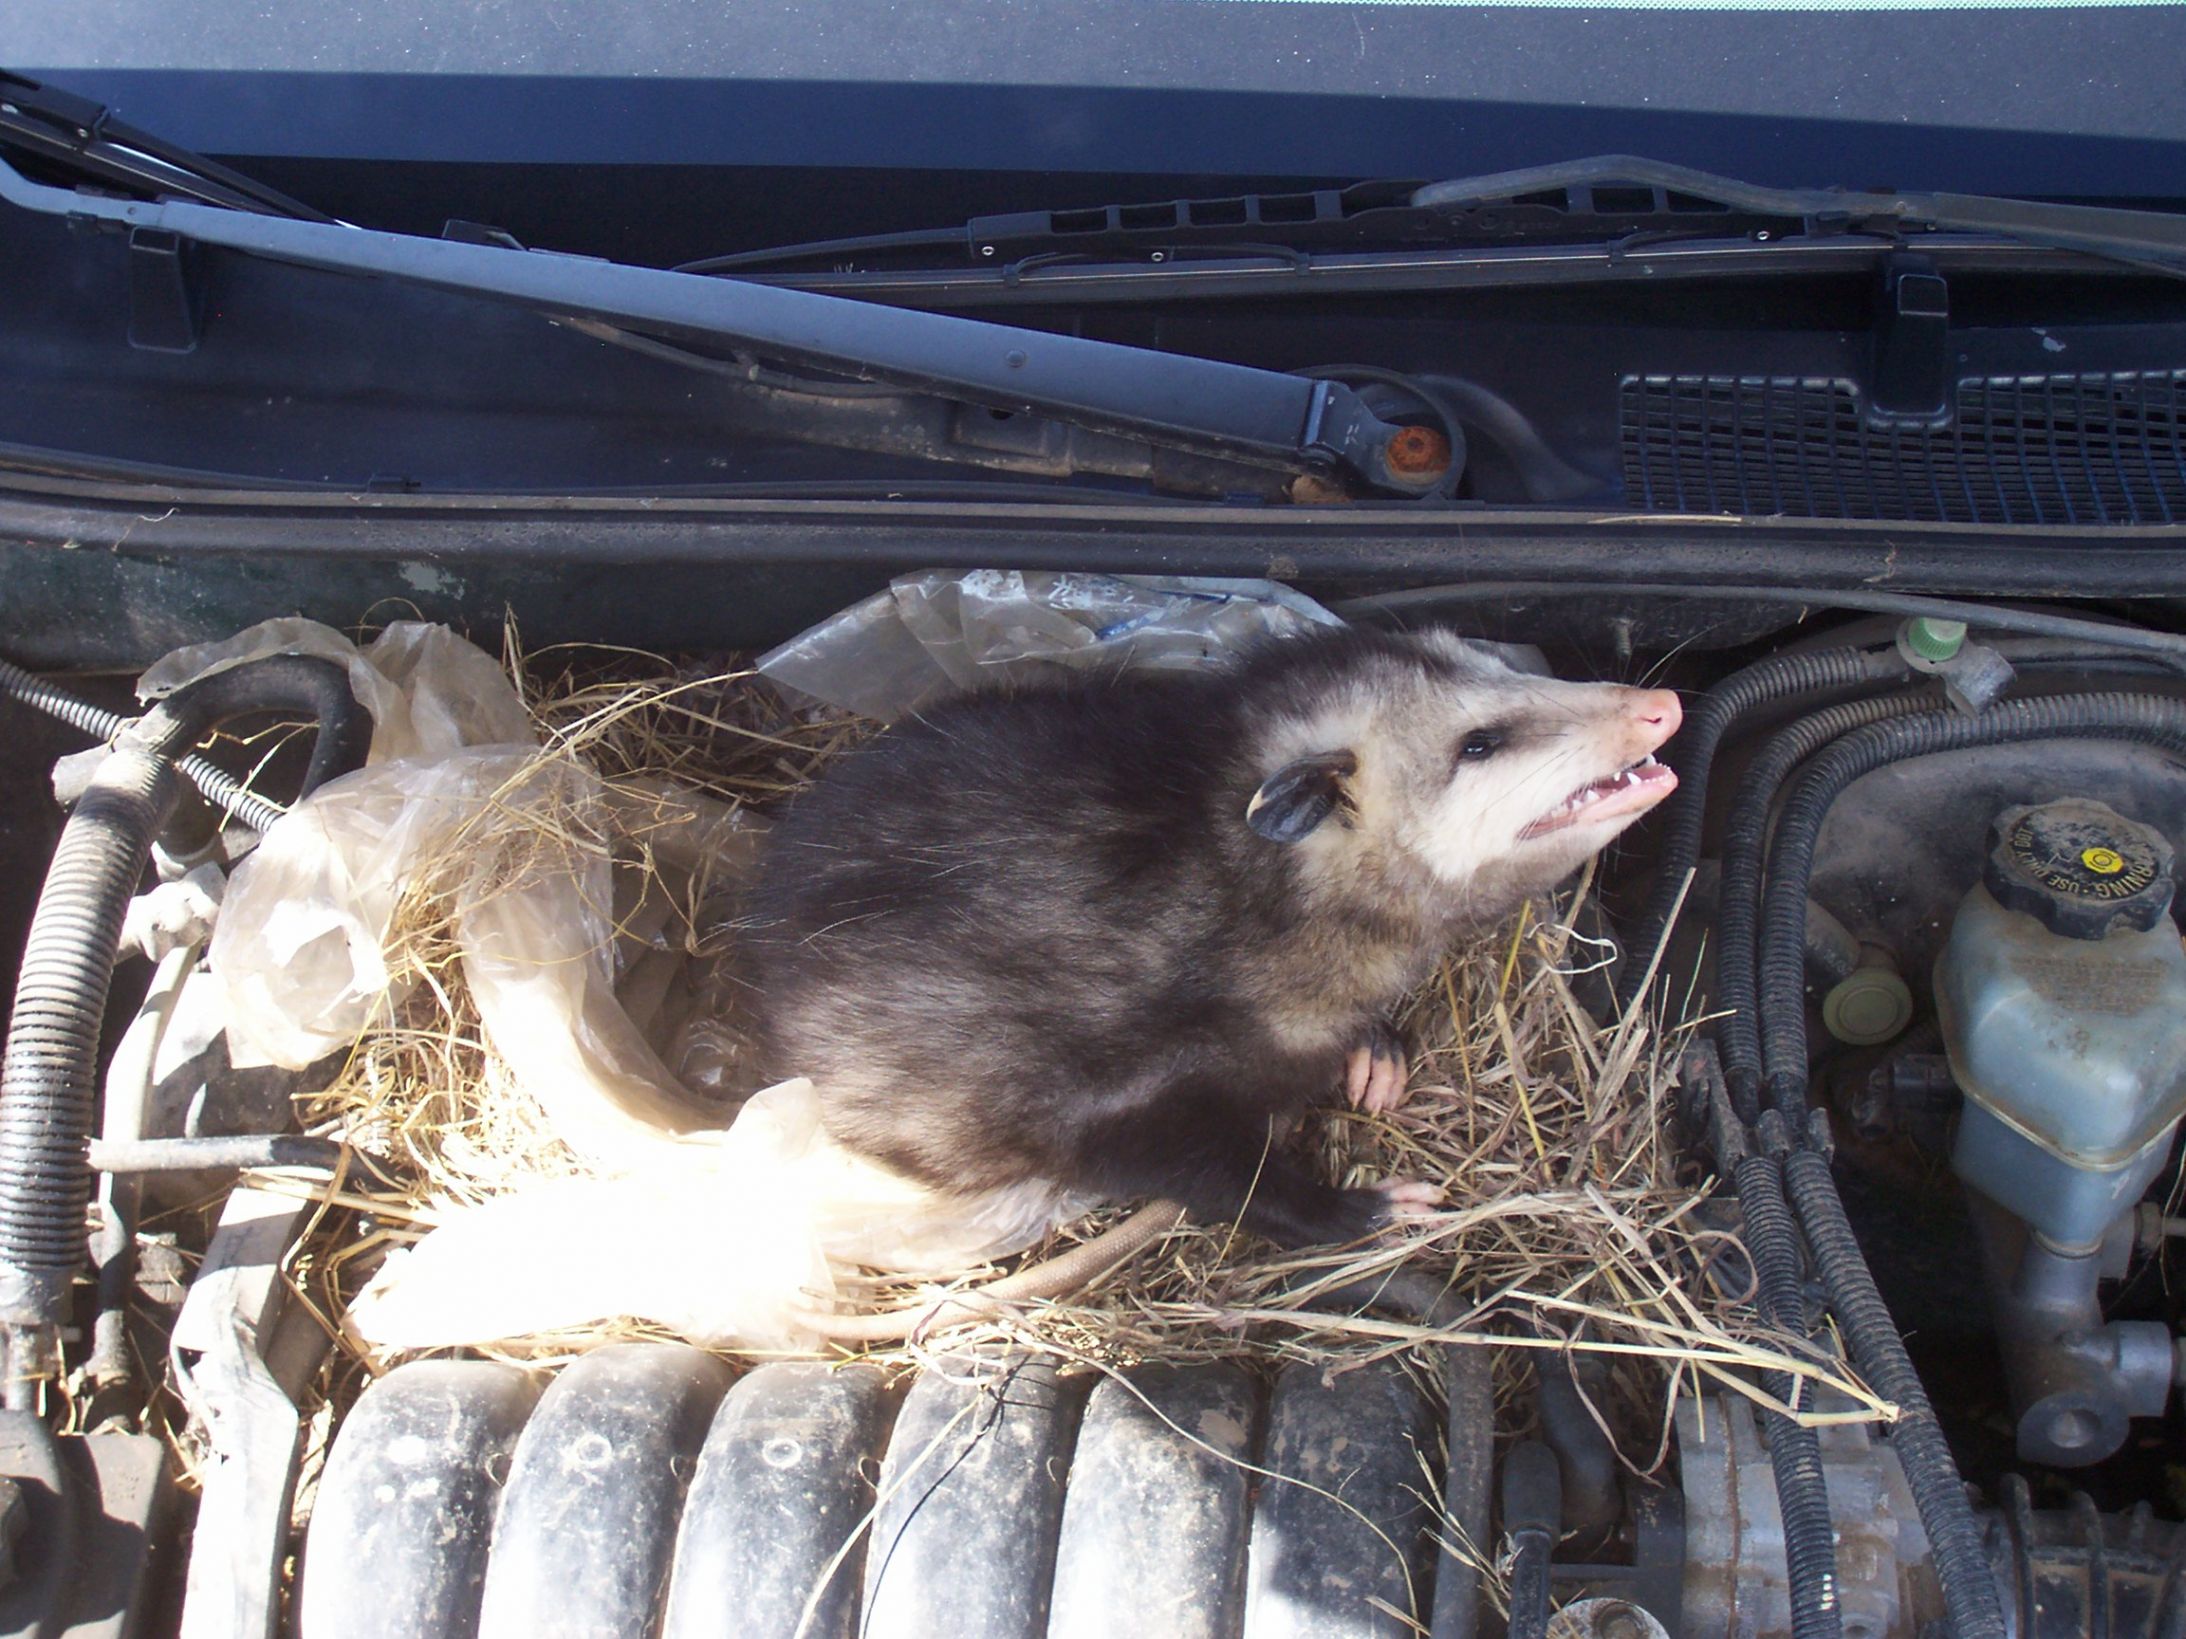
(1294, 799)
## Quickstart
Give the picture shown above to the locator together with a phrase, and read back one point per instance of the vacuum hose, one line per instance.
(1795, 1451)
(48, 1075)
(97, 723)
(1692, 754)
(1745, 838)
(2147, 718)
(1961, 1563)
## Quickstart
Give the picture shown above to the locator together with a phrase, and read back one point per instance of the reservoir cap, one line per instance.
(2078, 867)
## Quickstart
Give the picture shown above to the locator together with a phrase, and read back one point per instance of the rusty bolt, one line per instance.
(1618, 1621)
(1418, 452)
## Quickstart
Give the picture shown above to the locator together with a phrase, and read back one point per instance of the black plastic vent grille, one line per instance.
(2091, 449)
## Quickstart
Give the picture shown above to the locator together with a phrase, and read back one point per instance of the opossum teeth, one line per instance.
(1646, 775)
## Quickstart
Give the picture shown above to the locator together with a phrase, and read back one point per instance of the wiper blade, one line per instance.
(2150, 238)
(1360, 214)
(1615, 199)
(84, 138)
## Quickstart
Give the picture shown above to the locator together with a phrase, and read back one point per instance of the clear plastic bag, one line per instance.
(429, 691)
(717, 1233)
(939, 633)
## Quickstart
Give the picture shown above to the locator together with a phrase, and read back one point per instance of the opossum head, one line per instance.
(1393, 762)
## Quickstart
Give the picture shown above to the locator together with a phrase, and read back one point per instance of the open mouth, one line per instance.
(1629, 791)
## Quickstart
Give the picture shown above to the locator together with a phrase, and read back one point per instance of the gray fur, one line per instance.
(1035, 936)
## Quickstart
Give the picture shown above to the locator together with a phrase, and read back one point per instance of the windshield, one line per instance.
(931, 112)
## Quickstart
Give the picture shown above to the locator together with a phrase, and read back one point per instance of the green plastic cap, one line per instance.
(1926, 638)
(1869, 1007)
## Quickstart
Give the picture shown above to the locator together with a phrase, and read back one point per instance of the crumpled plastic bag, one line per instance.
(429, 691)
(301, 946)
(938, 633)
(717, 1234)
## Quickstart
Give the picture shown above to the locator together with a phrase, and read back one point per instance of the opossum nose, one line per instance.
(1658, 712)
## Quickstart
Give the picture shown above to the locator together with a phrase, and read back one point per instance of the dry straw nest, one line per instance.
(1570, 1221)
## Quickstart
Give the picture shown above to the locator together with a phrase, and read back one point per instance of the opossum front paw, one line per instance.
(1292, 1210)
(1370, 1211)
(1408, 1197)
(1376, 1075)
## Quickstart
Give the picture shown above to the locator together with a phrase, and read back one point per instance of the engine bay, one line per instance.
(1908, 923)
(968, 901)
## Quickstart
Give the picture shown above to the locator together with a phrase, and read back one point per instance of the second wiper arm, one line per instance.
(2098, 230)
(84, 136)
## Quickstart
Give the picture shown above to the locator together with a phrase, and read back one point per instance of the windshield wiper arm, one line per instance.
(2140, 237)
(84, 138)
(1226, 412)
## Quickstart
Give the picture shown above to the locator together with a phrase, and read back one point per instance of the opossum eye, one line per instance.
(1480, 745)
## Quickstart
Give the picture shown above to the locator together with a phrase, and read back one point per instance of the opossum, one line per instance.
(1119, 933)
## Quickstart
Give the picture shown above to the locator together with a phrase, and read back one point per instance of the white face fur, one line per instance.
(1470, 768)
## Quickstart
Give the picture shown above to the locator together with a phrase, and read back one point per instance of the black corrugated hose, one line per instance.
(1692, 753)
(1877, 1348)
(97, 723)
(1795, 1451)
(1745, 836)
(48, 1075)
(2147, 718)
(1779, 1298)
(1939, 1495)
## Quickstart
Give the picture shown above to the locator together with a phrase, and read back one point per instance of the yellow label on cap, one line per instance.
(2103, 861)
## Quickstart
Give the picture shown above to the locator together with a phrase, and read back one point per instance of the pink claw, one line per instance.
(1409, 1197)
(1359, 1077)
(1387, 1086)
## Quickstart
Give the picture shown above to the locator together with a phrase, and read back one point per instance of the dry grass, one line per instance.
(1568, 1222)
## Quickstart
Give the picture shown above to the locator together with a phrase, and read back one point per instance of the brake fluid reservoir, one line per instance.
(2062, 996)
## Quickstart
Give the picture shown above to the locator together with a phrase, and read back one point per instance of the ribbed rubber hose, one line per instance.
(1738, 901)
(48, 1075)
(97, 723)
(1795, 1451)
(1961, 1563)
(2145, 718)
(1692, 753)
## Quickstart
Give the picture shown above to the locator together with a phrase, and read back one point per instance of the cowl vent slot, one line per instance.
(2078, 449)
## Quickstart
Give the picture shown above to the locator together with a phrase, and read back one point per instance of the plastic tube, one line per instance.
(1961, 1565)
(1738, 1032)
(1795, 1452)
(2146, 718)
(96, 722)
(1692, 753)
(1533, 1507)
(48, 1072)
(142, 1155)
(1989, 617)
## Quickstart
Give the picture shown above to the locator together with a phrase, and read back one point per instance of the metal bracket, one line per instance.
(1912, 361)
(163, 292)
